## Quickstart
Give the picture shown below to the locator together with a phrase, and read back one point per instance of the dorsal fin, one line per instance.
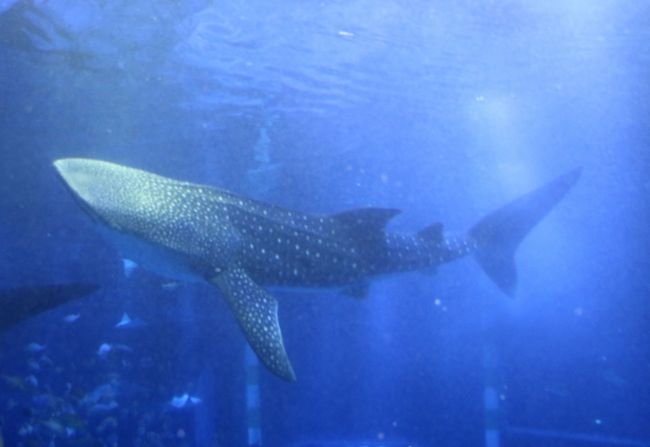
(431, 233)
(365, 223)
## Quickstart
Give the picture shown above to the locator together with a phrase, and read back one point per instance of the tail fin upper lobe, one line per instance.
(499, 233)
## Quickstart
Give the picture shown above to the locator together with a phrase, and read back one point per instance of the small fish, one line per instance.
(71, 318)
(179, 401)
(45, 360)
(35, 347)
(128, 266)
(104, 349)
(25, 430)
(109, 422)
(103, 393)
(122, 348)
(184, 401)
(31, 380)
(104, 407)
(127, 322)
(169, 285)
(54, 426)
(33, 365)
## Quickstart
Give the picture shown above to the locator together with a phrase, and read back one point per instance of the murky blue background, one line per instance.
(445, 109)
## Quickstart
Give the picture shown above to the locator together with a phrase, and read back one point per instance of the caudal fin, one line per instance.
(498, 234)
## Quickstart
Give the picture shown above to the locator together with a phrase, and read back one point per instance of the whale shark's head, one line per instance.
(118, 196)
(87, 180)
(177, 229)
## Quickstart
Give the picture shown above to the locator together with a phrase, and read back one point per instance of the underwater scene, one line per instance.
(324, 223)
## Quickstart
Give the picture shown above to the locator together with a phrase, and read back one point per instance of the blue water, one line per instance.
(444, 109)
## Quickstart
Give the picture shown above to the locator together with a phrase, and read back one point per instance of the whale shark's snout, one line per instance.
(89, 182)
(102, 189)
(76, 173)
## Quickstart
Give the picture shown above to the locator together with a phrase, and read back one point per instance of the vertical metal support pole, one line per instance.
(258, 185)
(205, 420)
(253, 413)
(491, 395)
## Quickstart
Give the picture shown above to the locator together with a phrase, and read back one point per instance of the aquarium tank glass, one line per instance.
(327, 223)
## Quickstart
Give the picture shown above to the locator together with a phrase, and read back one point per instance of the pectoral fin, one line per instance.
(257, 315)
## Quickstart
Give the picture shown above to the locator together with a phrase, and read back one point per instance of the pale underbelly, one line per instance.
(153, 257)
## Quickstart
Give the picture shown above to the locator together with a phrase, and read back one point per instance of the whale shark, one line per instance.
(21, 303)
(192, 232)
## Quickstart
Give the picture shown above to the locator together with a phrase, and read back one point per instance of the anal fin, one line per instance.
(257, 314)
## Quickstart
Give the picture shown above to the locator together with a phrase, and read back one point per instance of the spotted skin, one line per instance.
(257, 313)
(200, 233)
